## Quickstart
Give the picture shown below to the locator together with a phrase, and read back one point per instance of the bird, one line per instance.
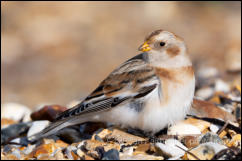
(150, 91)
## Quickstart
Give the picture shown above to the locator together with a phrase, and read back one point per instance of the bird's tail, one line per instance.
(54, 127)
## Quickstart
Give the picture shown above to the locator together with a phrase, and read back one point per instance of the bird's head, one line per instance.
(165, 49)
(163, 42)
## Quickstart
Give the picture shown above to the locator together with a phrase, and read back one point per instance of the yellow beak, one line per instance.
(144, 47)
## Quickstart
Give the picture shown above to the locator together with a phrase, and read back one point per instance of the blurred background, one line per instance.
(56, 52)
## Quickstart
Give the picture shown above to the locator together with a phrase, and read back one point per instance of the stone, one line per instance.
(142, 148)
(69, 152)
(123, 137)
(204, 93)
(207, 72)
(190, 141)
(222, 134)
(141, 157)
(59, 155)
(37, 126)
(220, 85)
(182, 128)
(15, 111)
(233, 59)
(112, 154)
(202, 125)
(75, 156)
(70, 134)
(48, 112)
(6, 122)
(43, 150)
(228, 154)
(80, 153)
(205, 151)
(214, 128)
(170, 148)
(17, 153)
(235, 141)
(102, 133)
(23, 141)
(90, 145)
(28, 149)
(62, 144)
(13, 131)
(127, 151)
(9, 157)
(202, 108)
(211, 137)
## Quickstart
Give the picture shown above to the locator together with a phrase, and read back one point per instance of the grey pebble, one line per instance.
(14, 131)
(112, 154)
(211, 137)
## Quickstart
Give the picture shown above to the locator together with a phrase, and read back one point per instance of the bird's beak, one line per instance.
(144, 47)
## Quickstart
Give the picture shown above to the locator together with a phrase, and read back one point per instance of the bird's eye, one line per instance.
(162, 44)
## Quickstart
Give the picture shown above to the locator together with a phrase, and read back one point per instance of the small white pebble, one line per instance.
(207, 72)
(37, 126)
(15, 112)
(170, 148)
(214, 128)
(220, 85)
(205, 92)
(183, 129)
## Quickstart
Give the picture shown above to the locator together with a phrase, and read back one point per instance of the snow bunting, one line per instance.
(149, 91)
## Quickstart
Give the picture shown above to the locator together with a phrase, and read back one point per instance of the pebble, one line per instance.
(123, 137)
(90, 145)
(214, 128)
(211, 137)
(48, 112)
(70, 153)
(127, 151)
(80, 153)
(220, 85)
(6, 122)
(207, 72)
(60, 143)
(182, 128)
(228, 154)
(70, 134)
(170, 149)
(37, 126)
(236, 141)
(202, 108)
(190, 141)
(112, 154)
(101, 134)
(15, 111)
(202, 125)
(59, 155)
(233, 59)
(7, 148)
(28, 149)
(22, 141)
(13, 131)
(97, 153)
(204, 93)
(142, 148)
(43, 150)
(17, 153)
(88, 129)
(141, 157)
(205, 151)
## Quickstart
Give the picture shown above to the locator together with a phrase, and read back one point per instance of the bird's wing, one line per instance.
(134, 79)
